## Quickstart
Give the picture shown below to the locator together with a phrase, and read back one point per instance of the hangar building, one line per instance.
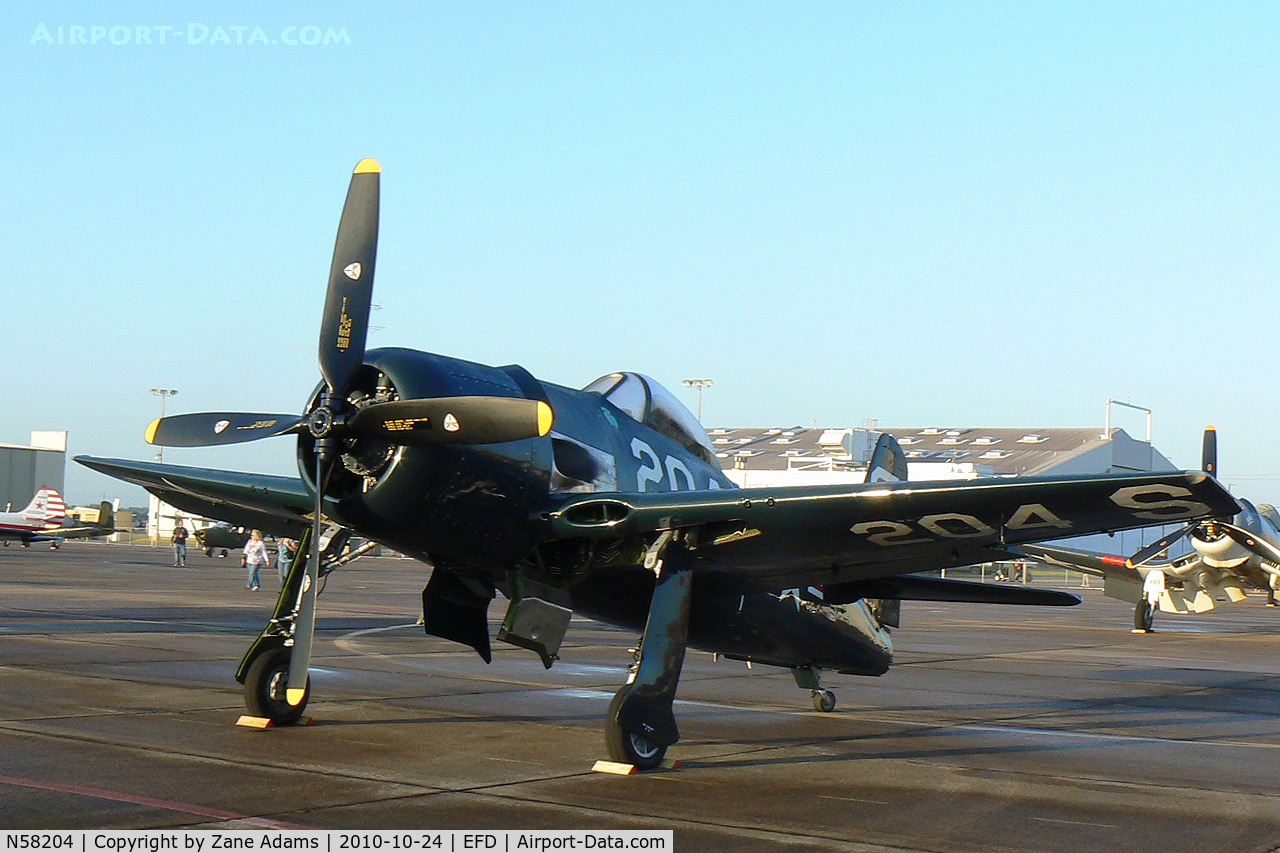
(800, 455)
(24, 469)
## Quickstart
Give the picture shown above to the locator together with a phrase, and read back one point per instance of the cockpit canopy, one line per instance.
(654, 406)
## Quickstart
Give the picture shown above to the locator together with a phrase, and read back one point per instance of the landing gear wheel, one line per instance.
(628, 747)
(208, 552)
(264, 688)
(1143, 616)
(824, 701)
(224, 553)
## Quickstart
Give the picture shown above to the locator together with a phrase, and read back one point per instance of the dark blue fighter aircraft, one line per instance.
(607, 501)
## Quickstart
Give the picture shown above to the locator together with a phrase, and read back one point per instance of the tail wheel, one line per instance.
(824, 701)
(264, 688)
(627, 747)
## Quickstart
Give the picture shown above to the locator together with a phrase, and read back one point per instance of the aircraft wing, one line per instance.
(1089, 562)
(278, 505)
(762, 537)
(80, 531)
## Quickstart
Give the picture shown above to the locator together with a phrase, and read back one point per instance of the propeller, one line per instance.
(206, 429)
(1145, 554)
(1254, 544)
(1209, 452)
(334, 418)
(1208, 464)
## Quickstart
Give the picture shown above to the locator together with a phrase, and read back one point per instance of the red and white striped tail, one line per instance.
(47, 506)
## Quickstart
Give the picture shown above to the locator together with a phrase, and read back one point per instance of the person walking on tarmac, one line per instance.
(255, 557)
(285, 549)
(179, 543)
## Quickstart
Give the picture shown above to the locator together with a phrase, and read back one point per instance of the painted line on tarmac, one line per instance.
(150, 802)
(1063, 734)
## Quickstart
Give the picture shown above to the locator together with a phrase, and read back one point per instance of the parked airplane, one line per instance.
(1226, 557)
(609, 501)
(45, 512)
(224, 537)
(45, 519)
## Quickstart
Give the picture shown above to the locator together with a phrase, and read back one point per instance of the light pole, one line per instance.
(163, 394)
(699, 384)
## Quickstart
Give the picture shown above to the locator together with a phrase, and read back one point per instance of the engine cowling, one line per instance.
(466, 503)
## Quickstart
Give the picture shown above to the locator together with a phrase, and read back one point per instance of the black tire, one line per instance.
(264, 685)
(824, 701)
(208, 552)
(1143, 617)
(224, 553)
(628, 747)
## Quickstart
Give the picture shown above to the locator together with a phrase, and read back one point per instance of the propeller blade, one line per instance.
(346, 305)
(208, 429)
(1253, 543)
(453, 420)
(304, 625)
(1209, 452)
(1146, 554)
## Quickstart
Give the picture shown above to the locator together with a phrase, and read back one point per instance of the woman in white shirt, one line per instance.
(255, 557)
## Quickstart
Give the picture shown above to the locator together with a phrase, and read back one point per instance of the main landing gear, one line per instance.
(641, 724)
(264, 688)
(264, 669)
(1143, 615)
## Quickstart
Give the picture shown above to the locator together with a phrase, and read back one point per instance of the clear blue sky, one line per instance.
(965, 215)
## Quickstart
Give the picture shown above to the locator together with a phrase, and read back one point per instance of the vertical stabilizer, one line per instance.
(888, 462)
(106, 515)
(46, 506)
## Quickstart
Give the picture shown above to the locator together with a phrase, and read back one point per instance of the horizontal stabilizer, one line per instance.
(915, 588)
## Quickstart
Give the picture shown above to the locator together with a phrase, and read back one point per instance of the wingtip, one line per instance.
(151, 431)
(368, 164)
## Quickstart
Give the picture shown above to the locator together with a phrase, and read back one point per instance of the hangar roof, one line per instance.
(998, 451)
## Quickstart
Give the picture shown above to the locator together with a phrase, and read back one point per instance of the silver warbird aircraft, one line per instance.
(608, 501)
(1226, 557)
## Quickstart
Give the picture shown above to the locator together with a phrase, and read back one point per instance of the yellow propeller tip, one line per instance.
(294, 696)
(544, 418)
(1211, 428)
(368, 164)
(151, 431)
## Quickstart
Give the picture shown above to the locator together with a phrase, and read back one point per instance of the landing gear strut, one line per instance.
(641, 724)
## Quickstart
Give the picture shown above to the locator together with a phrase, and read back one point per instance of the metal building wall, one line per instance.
(25, 469)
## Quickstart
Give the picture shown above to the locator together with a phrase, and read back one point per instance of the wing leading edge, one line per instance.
(279, 505)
